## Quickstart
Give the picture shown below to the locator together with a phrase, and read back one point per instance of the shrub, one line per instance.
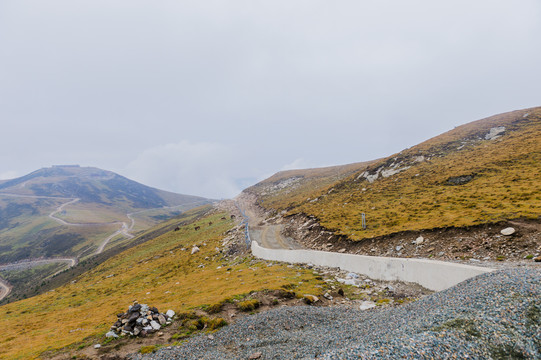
(248, 305)
(148, 349)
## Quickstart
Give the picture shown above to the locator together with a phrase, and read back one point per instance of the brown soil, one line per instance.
(481, 242)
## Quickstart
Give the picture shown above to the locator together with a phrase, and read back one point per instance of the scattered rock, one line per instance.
(537, 259)
(97, 346)
(170, 314)
(399, 247)
(419, 240)
(342, 250)
(508, 231)
(460, 180)
(310, 299)
(255, 356)
(111, 334)
(365, 305)
(495, 133)
(155, 325)
(195, 250)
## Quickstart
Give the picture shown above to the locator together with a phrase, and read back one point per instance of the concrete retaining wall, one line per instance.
(432, 274)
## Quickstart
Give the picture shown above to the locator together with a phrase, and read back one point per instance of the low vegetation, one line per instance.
(457, 179)
(161, 271)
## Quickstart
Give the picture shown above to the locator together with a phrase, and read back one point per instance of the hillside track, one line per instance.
(124, 228)
(265, 234)
(5, 289)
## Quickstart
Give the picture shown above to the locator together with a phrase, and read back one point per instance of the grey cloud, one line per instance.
(98, 82)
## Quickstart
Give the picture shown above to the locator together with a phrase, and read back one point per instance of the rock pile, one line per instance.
(140, 320)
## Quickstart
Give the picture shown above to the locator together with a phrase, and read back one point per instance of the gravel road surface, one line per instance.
(495, 315)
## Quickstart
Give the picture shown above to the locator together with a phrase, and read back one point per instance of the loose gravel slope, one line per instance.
(496, 315)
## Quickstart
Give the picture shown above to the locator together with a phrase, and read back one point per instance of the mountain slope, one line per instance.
(75, 212)
(161, 272)
(482, 172)
(287, 189)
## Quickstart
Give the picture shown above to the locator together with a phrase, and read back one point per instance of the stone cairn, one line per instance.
(140, 320)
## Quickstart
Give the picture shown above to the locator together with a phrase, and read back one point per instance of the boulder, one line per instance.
(508, 231)
(133, 317)
(365, 305)
(310, 299)
(128, 328)
(155, 325)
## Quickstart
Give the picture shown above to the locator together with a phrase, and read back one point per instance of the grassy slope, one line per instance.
(156, 272)
(288, 189)
(26, 231)
(506, 183)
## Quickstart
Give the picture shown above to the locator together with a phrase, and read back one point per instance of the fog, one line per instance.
(208, 97)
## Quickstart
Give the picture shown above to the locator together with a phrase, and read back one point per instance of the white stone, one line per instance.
(195, 250)
(365, 305)
(508, 231)
(97, 346)
(399, 247)
(419, 240)
(155, 325)
(495, 133)
(170, 313)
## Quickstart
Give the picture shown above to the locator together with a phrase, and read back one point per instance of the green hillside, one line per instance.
(27, 229)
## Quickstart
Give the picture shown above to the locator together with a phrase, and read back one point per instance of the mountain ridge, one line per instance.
(483, 172)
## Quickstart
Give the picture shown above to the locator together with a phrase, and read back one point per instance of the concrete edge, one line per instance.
(432, 274)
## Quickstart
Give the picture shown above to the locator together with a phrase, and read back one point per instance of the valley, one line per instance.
(46, 214)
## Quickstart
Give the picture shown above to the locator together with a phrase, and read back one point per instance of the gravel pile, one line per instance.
(495, 315)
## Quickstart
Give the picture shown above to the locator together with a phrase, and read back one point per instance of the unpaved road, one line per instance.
(5, 289)
(265, 234)
(29, 263)
(124, 228)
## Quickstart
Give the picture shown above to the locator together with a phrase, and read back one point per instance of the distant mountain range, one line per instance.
(71, 210)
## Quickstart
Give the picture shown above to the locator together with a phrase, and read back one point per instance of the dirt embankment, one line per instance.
(475, 243)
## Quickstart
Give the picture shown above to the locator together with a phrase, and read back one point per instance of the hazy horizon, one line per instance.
(207, 98)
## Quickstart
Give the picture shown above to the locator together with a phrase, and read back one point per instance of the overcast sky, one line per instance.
(207, 97)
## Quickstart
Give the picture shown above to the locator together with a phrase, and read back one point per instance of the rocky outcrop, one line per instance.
(140, 320)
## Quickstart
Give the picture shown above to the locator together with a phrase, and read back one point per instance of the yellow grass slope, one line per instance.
(287, 189)
(460, 178)
(161, 272)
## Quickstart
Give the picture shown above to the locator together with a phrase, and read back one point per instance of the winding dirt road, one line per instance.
(265, 234)
(5, 289)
